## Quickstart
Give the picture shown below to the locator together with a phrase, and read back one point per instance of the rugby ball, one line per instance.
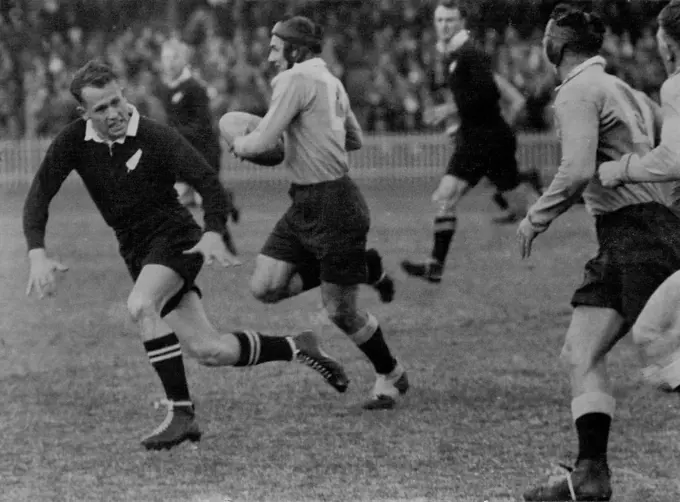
(235, 124)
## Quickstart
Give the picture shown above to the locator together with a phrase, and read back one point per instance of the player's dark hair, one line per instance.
(453, 4)
(93, 74)
(669, 20)
(587, 27)
(301, 36)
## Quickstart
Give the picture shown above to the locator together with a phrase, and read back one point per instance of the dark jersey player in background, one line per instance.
(122, 158)
(187, 106)
(485, 143)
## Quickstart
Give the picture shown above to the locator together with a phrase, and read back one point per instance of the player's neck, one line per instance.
(569, 62)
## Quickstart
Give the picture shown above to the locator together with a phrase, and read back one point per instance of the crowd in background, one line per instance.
(382, 50)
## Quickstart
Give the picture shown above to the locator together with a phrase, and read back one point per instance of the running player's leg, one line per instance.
(639, 249)
(340, 301)
(591, 334)
(166, 304)
(452, 187)
(339, 239)
(155, 287)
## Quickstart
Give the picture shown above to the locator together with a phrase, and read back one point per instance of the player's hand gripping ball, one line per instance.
(235, 124)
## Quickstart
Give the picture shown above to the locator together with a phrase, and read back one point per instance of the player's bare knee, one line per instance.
(265, 291)
(578, 357)
(142, 306)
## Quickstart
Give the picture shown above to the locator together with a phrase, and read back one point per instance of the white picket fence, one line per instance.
(385, 156)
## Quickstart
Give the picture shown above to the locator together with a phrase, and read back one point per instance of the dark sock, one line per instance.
(379, 353)
(257, 348)
(374, 268)
(165, 355)
(444, 228)
(593, 436)
(501, 201)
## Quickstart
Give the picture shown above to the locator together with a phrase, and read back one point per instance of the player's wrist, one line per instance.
(536, 227)
(37, 254)
(625, 174)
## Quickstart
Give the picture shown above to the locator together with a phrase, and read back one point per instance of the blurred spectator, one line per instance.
(381, 50)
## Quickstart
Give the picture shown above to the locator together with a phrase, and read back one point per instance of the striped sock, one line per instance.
(257, 348)
(165, 355)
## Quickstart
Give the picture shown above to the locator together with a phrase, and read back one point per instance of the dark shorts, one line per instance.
(639, 249)
(486, 152)
(325, 228)
(166, 247)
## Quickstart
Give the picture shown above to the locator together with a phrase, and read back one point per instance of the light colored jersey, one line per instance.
(663, 162)
(599, 118)
(311, 108)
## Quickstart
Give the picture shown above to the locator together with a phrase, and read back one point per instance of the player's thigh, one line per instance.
(168, 251)
(592, 332)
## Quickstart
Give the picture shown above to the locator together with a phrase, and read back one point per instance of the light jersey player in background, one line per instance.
(122, 158)
(321, 239)
(485, 144)
(600, 118)
(657, 329)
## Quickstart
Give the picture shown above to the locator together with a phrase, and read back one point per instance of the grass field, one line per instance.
(488, 412)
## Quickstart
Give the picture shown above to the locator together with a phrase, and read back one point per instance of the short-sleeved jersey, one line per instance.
(311, 108)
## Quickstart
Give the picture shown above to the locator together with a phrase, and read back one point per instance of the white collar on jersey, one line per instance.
(455, 43)
(316, 62)
(594, 61)
(313, 62)
(92, 135)
(183, 77)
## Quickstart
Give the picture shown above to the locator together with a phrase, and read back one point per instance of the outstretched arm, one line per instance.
(579, 123)
(51, 174)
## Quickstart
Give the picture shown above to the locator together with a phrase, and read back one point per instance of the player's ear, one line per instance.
(82, 112)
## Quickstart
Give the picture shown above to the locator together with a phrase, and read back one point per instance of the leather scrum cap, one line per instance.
(299, 30)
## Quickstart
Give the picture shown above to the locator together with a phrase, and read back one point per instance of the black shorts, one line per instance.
(639, 249)
(325, 228)
(166, 247)
(486, 152)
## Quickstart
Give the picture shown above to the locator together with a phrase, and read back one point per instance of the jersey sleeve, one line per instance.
(288, 98)
(53, 171)
(579, 124)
